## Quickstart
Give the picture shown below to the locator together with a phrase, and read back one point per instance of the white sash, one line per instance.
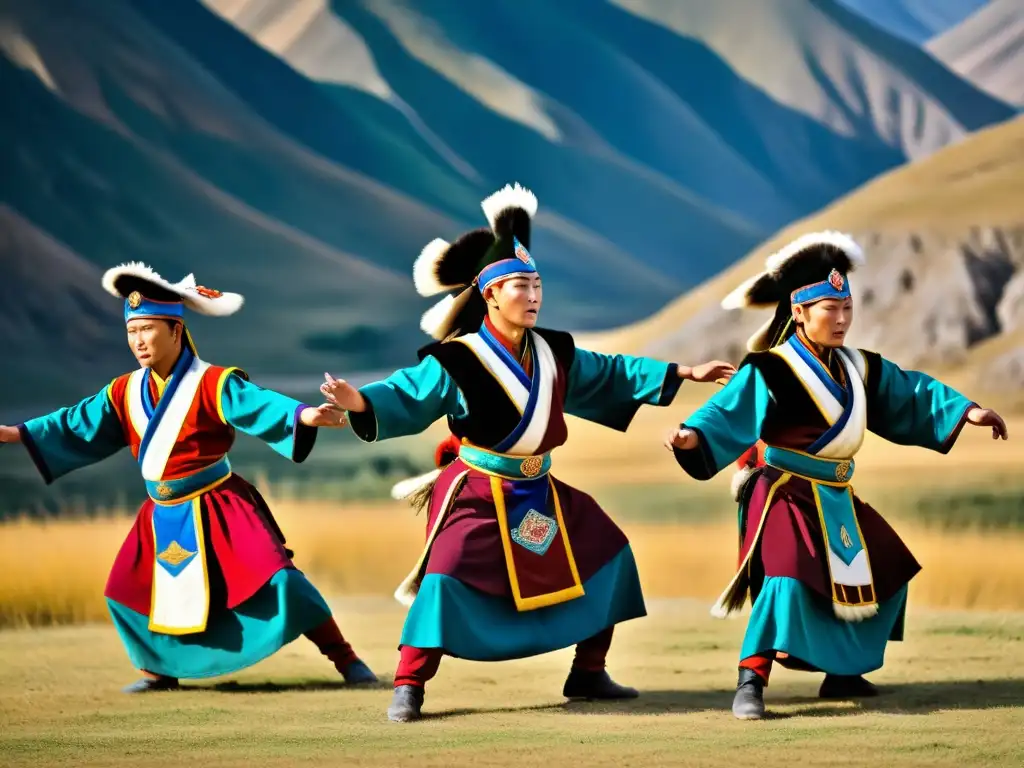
(546, 368)
(848, 441)
(168, 428)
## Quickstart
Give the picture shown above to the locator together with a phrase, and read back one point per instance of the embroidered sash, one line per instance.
(181, 592)
(828, 466)
(538, 554)
(180, 602)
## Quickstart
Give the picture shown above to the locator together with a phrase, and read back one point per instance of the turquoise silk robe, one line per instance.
(826, 574)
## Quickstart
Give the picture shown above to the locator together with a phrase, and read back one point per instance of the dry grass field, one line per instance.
(952, 695)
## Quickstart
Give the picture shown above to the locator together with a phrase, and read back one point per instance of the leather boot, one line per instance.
(589, 684)
(406, 704)
(748, 703)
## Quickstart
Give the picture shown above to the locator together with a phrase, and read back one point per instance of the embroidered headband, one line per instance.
(835, 287)
(521, 266)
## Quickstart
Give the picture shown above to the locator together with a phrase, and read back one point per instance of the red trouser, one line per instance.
(761, 663)
(417, 665)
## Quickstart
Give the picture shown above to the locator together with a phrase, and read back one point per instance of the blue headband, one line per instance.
(835, 287)
(137, 306)
(523, 264)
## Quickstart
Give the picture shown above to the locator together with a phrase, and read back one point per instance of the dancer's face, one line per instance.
(154, 341)
(517, 300)
(825, 322)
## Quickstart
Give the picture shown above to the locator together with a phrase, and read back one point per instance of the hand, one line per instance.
(986, 417)
(716, 371)
(683, 439)
(326, 415)
(9, 435)
(342, 394)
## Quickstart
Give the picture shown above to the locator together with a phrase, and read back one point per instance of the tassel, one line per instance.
(854, 613)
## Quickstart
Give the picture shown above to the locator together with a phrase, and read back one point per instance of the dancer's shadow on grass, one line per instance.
(894, 698)
(289, 686)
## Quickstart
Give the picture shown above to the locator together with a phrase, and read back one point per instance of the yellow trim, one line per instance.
(811, 456)
(495, 376)
(415, 576)
(828, 560)
(160, 383)
(220, 392)
(197, 519)
(194, 494)
(537, 601)
(128, 403)
(744, 567)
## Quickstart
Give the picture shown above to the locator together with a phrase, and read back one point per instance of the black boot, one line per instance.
(151, 684)
(406, 704)
(846, 687)
(588, 684)
(748, 703)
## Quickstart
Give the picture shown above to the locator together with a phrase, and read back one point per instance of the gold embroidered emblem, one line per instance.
(842, 471)
(134, 299)
(164, 491)
(845, 536)
(208, 293)
(531, 466)
(175, 554)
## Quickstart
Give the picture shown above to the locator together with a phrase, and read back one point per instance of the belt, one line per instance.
(184, 488)
(836, 471)
(504, 465)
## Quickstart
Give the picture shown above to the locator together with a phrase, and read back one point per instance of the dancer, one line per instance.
(203, 585)
(516, 563)
(827, 576)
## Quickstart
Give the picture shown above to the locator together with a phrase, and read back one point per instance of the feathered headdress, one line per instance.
(813, 267)
(476, 260)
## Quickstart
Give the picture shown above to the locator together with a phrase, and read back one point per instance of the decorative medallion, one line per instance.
(175, 554)
(531, 466)
(836, 280)
(521, 253)
(845, 536)
(208, 293)
(535, 532)
(164, 491)
(843, 471)
(134, 299)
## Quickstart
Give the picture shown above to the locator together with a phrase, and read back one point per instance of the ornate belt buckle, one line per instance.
(531, 466)
(842, 471)
(164, 491)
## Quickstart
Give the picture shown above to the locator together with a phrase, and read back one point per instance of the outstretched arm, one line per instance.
(912, 408)
(405, 403)
(70, 438)
(609, 389)
(286, 425)
(723, 428)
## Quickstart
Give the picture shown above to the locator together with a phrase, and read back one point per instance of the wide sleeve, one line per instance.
(912, 408)
(73, 437)
(266, 415)
(407, 402)
(727, 425)
(609, 389)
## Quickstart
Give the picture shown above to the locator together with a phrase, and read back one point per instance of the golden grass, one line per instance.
(953, 695)
(55, 572)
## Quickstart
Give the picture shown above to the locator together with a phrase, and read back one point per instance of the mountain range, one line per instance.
(303, 152)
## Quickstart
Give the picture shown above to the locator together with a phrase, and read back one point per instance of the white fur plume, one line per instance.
(436, 321)
(739, 479)
(509, 197)
(218, 305)
(134, 268)
(855, 613)
(839, 240)
(738, 298)
(424, 269)
(403, 489)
